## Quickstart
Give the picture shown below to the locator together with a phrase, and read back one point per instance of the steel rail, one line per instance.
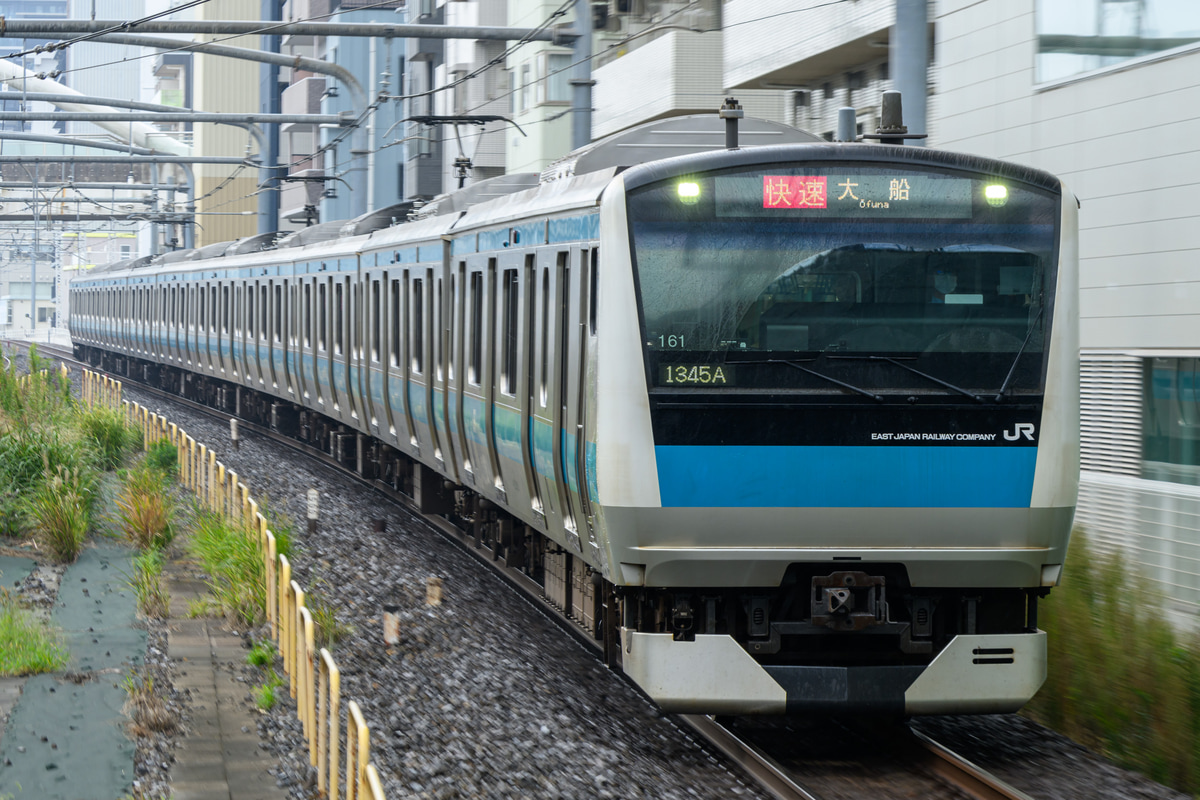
(973, 780)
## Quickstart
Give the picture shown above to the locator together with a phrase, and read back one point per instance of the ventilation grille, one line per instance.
(1110, 413)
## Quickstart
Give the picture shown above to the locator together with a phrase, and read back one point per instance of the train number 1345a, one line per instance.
(695, 375)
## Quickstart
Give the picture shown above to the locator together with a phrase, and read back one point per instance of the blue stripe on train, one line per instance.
(829, 477)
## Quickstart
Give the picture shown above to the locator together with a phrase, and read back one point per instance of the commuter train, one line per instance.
(790, 426)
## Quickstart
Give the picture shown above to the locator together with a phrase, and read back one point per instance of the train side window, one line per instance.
(339, 300)
(374, 320)
(418, 325)
(439, 357)
(307, 302)
(394, 322)
(508, 355)
(545, 344)
(476, 357)
(262, 312)
(203, 307)
(321, 317)
(225, 309)
(249, 295)
(592, 293)
(278, 313)
(213, 311)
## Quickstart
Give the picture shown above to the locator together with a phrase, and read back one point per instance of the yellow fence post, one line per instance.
(212, 480)
(358, 751)
(304, 697)
(272, 586)
(328, 722)
(285, 579)
(373, 783)
(295, 632)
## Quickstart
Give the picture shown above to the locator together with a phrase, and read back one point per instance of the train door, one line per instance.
(577, 327)
(393, 381)
(244, 320)
(339, 357)
(264, 328)
(372, 326)
(545, 290)
(510, 399)
(418, 363)
(407, 358)
(306, 353)
(287, 324)
(440, 396)
(456, 365)
(353, 358)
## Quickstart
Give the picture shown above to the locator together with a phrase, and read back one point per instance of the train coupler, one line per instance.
(849, 601)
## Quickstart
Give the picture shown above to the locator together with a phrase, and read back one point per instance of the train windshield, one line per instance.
(878, 277)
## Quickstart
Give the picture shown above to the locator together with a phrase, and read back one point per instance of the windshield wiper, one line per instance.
(813, 372)
(915, 371)
(1011, 370)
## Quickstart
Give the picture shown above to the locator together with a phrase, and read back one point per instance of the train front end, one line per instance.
(836, 426)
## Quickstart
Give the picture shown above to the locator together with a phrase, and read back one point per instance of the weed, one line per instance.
(105, 428)
(147, 585)
(163, 457)
(145, 509)
(262, 654)
(266, 695)
(327, 631)
(59, 512)
(280, 525)
(1120, 681)
(147, 711)
(199, 607)
(28, 646)
(231, 557)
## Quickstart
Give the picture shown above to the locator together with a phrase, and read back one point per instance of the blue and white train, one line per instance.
(791, 426)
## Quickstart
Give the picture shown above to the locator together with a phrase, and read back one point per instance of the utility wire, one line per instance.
(124, 26)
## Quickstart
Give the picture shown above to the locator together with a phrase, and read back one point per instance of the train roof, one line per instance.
(577, 179)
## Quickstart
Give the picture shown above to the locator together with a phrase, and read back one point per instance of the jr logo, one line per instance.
(1025, 429)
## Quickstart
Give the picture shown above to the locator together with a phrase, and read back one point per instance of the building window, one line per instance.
(1075, 36)
(558, 75)
(526, 87)
(1171, 420)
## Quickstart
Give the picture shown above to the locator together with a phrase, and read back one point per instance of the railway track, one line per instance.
(918, 766)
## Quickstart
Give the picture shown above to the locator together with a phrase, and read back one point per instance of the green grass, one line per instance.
(28, 646)
(266, 696)
(105, 429)
(262, 654)
(59, 512)
(146, 582)
(230, 556)
(280, 525)
(163, 457)
(1121, 680)
(145, 509)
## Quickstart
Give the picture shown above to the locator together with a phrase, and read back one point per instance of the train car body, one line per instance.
(789, 427)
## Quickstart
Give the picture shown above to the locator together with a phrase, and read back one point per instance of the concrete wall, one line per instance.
(1125, 141)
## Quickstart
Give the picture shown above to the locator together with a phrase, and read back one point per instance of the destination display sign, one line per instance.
(849, 194)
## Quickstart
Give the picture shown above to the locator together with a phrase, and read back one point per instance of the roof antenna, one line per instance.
(731, 112)
(891, 122)
(847, 125)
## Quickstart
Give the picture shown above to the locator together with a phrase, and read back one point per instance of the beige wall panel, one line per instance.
(1161, 236)
(1133, 332)
(787, 33)
(1148, 268)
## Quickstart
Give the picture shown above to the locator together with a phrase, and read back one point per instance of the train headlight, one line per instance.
(689, 192)
(996, 194)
